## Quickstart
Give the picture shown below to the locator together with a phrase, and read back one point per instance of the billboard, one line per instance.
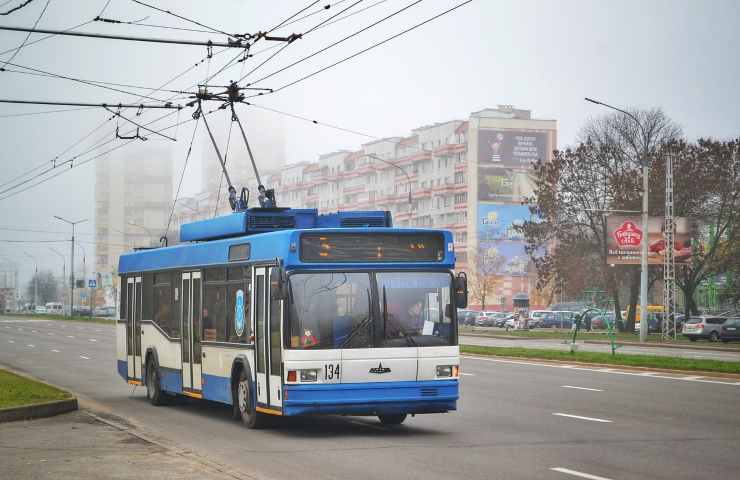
(505, 159)
(505, 257)
(624, 237)
(497, 222)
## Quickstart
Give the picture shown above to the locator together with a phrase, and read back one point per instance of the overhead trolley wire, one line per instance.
(182, 175)
(317, 52)
(215, 30)
(284, 22)
(375, 45)
(17, 50)
(33, 42)
(315, 12)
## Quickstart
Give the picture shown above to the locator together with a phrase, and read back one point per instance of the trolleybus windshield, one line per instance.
(364, 310)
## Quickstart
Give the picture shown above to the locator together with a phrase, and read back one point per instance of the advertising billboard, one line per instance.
(497, 222)
(505, 257)
(624, 236)
(505, 159)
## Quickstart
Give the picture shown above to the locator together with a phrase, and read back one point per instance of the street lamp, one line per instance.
(35, 280)
(642, 160)
(72, 264)
(64, 267)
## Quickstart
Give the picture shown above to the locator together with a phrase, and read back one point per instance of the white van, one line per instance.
(55, 308)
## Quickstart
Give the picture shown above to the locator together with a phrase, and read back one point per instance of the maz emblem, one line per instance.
(380, 369)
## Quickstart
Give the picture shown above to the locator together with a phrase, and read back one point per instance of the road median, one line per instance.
(22, 398)
(606, 359)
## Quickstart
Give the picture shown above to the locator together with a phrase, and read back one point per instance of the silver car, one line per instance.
(704, 326)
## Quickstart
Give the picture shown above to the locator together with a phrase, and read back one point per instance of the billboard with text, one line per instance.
(624, 237)
(498, 222)
(505, 159)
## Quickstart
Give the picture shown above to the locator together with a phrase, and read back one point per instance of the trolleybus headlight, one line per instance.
(309, 375)
(448, 371)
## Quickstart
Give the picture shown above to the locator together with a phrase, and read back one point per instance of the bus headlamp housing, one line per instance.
(309, 375)
(448, 371)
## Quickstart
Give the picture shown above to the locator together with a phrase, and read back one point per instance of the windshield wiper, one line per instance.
(357, 328)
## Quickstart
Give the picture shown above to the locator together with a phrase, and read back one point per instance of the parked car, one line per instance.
(486, 319)
(535, 318)
(55, 308)
(502, 318)
(82, 310)
(39, 309)
(563, 319)
(730, 330)
(704, 326)
(108, 312)
(601, 322)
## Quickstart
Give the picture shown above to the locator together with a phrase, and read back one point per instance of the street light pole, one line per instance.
(408, 178)
(35, 280)
(643, 160)
(72, 264)
(64, 269)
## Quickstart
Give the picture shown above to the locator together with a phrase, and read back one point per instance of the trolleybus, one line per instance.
(287, 312)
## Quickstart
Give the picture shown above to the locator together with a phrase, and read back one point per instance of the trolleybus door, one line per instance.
(258, 307)
(274, 342)
(190, 328)
(133, 327)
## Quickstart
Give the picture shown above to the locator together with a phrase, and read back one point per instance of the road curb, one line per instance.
(501, 337)
(665, 345)
(701, 373)
(39, 410)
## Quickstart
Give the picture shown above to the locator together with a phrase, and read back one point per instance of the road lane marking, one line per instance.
(11, 341)
(467, 374)
(55, 351)
(600, 370)
(576, 473)
(692, 377)
(51, 333)
(31, 346)
(590, 419)
(582, 388)
(84, 357)
(34, 331)
(70, 336)
(92, 340)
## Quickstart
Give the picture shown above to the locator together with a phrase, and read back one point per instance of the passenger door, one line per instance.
(133, 328)
(190, 326)
(267, 322)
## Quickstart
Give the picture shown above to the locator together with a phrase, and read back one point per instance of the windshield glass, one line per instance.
(327, 307)
(363, 310)
(415, 309)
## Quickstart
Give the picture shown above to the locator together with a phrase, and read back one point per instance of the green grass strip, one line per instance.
(649, 361)
(17, 391)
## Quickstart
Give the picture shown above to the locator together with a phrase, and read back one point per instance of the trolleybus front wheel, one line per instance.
(250, 417)
(392, 419)
(154, 393)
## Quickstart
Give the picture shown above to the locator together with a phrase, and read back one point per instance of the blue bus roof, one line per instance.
(268, 246)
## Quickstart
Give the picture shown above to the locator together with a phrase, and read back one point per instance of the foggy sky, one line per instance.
(545, 56)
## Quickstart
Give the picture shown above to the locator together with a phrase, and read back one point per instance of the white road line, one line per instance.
(692, 377)
(11, 341)
(70, 336)
(31, 346)
(590, 419)
(55, 351)
(51, 333)
(576, 473)
(84, 357)
(34, 331)
(582, 388)
(467, 374)
(92, 340)
(600, 370)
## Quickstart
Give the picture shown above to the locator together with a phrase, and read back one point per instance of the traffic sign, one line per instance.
(92, 283)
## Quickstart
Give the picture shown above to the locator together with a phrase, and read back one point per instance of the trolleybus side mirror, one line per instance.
(278, 282)
(461, 290)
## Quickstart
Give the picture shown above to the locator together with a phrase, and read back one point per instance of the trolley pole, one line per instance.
(72, 266)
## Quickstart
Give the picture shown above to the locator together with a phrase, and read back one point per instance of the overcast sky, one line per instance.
(681, 56)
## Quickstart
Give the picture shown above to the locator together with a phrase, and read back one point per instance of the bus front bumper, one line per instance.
(372, 398)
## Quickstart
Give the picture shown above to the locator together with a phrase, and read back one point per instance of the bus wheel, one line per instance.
(153, 391)
(250, 417)
(392, 419)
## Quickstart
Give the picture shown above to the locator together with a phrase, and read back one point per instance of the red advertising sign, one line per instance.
(625, 235)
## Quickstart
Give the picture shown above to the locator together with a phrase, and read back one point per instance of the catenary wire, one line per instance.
(182, 175)
(28, 35)
(216, 30)
(284, 22)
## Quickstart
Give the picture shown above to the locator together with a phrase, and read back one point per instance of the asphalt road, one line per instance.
(516, 420)
(558, 344)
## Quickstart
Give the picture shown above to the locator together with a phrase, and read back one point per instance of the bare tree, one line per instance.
(486, 265)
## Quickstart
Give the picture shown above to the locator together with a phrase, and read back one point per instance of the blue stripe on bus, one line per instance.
(217, 389)
(372, 398)
(170, 380)
(123, 369)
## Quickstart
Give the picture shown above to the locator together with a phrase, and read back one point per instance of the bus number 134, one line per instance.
(331, 371)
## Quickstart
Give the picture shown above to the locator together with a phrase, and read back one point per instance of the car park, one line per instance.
(705, 327)
(730, 330)
(559, 319)
(535, 318)
(486, 319)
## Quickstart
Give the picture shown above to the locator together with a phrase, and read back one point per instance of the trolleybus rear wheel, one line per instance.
(392, 419)
(250, 417)
(154, 393)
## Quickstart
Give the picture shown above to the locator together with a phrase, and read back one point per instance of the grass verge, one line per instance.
(649, 361)
(76, 318)
(17, 391)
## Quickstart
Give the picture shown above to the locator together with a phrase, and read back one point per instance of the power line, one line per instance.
(215, 30)
(231, 43)
(317, 52)
(48, 37)
(306, 77)
(15, 8)
(44, 112)
(182, 175)
(139, 24)
(325, 7)
(168, 105)
(29, 33)
(284, 22)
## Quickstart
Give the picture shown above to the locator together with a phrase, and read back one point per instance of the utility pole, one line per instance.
(64, 270)
(643, 160)
(35, 280)
(669, 267)
(72, 264)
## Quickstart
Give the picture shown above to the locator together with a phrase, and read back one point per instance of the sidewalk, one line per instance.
(78, 446)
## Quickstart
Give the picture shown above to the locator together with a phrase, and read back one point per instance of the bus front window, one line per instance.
(415, 309)
(330, 310)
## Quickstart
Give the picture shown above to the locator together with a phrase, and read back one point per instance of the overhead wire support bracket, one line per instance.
(138, 126)
(230, 43)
